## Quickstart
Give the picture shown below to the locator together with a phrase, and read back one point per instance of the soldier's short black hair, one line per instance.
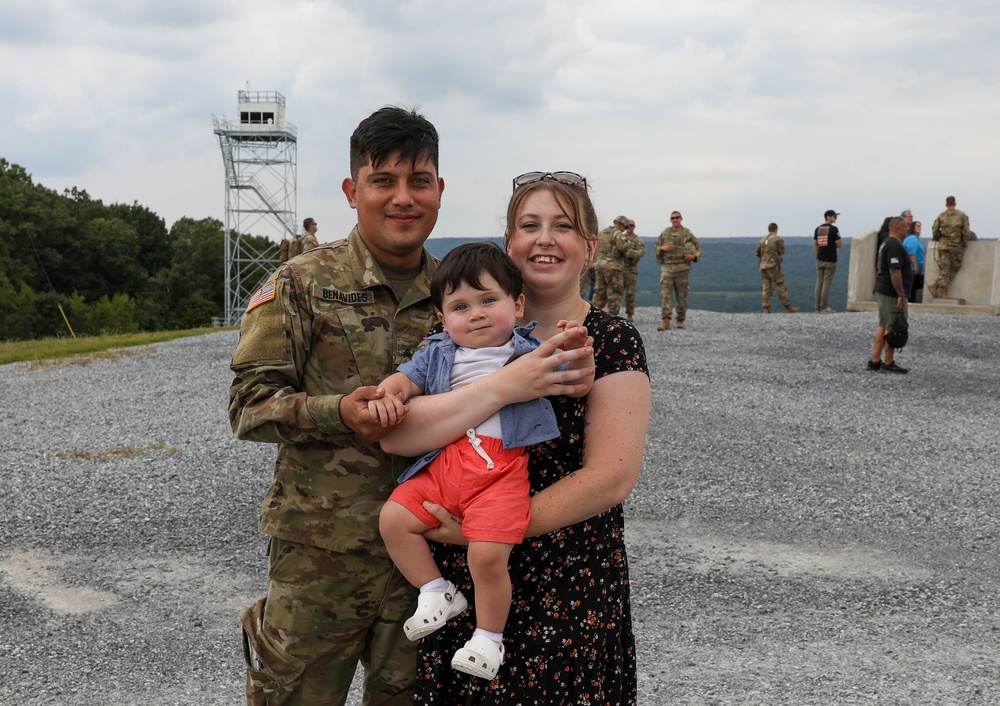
(467, 263)
(772, 227)
(392, 129)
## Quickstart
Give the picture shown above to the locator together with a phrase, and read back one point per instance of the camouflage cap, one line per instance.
(622, 220)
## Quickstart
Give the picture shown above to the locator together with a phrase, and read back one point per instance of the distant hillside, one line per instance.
(726, 279)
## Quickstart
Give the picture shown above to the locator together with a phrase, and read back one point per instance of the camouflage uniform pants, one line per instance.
(630, 279)
(949, 262)
(325, 612)
(675, 282)
(608, 290)
(773, 276)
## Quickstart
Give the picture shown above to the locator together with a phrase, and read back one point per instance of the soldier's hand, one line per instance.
(355, 415)
(688, 258)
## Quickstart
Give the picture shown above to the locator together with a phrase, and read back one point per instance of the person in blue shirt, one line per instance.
(916, 252)
(482, 477)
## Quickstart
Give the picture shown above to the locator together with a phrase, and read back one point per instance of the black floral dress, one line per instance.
(568, 638)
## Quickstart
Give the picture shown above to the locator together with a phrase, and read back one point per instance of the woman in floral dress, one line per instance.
(568, 640)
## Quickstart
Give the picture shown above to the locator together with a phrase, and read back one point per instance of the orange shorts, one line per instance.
(495, 504)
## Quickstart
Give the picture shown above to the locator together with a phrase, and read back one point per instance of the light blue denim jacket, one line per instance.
(523, 423)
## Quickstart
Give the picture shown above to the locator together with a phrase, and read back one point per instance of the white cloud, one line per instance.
(738, 112)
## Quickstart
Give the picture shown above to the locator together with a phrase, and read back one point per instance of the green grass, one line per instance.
(86, 349)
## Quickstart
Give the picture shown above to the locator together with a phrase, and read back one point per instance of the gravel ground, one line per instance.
(804, 531)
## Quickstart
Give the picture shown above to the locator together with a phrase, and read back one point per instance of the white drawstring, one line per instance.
(477, 445)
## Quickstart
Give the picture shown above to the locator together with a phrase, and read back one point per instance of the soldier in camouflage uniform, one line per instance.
(676, 249)
(951, 233)
(293, 247)
(308, 239)
(609, 263)
(770, 249)
(314, 343)
(630, 267)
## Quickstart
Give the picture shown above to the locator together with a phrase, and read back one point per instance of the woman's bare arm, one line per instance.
(617, 417)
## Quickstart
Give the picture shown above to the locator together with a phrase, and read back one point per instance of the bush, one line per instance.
(111, 316)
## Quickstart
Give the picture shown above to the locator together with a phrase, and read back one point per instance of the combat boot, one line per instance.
(680, 324)
(943, 292)
(767, 309)
(665, 326)
(791, 309)
(933, 289)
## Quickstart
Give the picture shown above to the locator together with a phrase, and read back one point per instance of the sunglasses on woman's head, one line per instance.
(568, 178)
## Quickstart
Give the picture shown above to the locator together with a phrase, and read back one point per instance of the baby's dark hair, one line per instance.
(467, 263)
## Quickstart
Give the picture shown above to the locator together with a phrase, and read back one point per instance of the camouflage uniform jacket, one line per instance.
(684, 243)
(635, 252)
(770, 249)
(951, 230)
(325, 325)
(309, 241)
(611, 249)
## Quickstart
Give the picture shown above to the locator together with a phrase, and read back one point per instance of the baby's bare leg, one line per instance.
(488, 566)
(403, 533)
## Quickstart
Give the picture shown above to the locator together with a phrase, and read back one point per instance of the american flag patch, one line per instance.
(264, 294)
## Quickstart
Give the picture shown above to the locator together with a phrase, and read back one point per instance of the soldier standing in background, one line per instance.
(609, 264)
(308, 239)
(314, 343)
(293, 247)
(770, 249)
(951, 233)
(630, 267)
(676, 249)
(826, 242)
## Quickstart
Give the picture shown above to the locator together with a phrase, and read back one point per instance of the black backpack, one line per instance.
(898, 333)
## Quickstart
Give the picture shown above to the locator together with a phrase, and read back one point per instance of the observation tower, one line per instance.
(259, 153)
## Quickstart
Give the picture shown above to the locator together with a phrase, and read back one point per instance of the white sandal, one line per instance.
(434, 609)
(481, 657)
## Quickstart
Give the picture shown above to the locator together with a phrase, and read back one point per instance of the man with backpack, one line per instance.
(892, 282)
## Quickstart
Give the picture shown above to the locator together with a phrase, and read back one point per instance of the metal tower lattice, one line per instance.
(259, 152)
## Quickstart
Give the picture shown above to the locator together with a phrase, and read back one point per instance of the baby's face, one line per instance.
(480, 318)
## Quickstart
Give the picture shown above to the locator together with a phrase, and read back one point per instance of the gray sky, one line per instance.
(735, 112)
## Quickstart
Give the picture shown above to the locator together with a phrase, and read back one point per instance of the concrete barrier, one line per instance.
(977, 283)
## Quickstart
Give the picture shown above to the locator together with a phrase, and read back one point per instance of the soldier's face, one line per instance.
(397, 207)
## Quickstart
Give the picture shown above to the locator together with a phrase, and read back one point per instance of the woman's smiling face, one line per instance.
(545, 244)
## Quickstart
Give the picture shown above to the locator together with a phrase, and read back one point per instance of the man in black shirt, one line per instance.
(826, 240)
(892, 282)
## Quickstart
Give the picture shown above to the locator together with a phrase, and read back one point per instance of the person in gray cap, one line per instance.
(826, 242)
(609, 265)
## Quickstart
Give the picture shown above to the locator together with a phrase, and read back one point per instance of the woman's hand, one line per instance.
(450, 531)
(534, 374)
(434, 421)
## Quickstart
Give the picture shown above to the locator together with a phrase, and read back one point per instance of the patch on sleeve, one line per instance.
(262, 338)
(264, 294)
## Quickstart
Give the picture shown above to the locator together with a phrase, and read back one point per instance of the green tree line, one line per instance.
(118, 268)
(111, 268)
